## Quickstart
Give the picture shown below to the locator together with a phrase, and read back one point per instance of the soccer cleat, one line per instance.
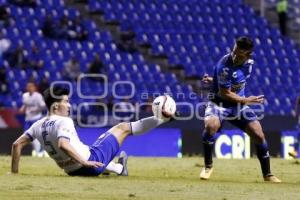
(45, 154)
(206, 173)
(272, 179)
(33, 153)
(123, 161)
(40, 154)
(293, 154)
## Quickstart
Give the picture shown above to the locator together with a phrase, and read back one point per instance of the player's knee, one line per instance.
(211, 128)
(212, 125)
(124, 127)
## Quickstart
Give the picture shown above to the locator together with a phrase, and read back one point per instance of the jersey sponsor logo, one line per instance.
(234, 75)
(48, 124)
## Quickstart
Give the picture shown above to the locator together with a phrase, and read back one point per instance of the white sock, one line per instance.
(36, 145)
(114, 167)
(143, 125)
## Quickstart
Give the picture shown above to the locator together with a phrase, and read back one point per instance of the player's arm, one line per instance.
(228, 95)
(16, 150)
(67, 148)
(224, 81)
(22, 109)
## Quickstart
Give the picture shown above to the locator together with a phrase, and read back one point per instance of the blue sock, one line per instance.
(208, 145)
(262, 151)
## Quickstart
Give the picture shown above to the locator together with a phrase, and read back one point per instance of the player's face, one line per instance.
(30, 87)
(64, 106)
(239, 56)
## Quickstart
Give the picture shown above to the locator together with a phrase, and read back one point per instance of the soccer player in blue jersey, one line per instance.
(228, 102)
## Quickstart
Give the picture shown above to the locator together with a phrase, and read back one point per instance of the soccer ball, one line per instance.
(163, 107)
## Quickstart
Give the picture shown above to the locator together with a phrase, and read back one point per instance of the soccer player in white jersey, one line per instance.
(58, 136)
(33, 106)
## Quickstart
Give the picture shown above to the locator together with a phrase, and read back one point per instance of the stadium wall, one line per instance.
(191, 134)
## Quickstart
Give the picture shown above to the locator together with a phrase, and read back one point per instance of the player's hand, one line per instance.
(255, 99)
(92, 164)
(207, 79)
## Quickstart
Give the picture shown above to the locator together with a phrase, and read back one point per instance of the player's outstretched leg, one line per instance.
(122, 130)
(254, 129)
(212, 124)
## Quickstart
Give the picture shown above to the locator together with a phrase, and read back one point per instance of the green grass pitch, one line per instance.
(153, 179)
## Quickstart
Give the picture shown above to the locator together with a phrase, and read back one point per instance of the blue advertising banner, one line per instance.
(159, 142)
(289, 143)
(232, 144)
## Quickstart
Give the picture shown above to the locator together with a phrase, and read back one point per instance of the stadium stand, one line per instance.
(194, 34)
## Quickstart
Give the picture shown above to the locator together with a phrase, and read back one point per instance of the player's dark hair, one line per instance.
(244, 43)
(54, 94)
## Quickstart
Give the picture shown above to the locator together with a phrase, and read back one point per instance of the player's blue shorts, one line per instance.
(238, 116)
(28, 124)
(103, 150)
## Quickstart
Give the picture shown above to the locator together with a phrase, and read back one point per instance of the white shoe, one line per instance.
(33, 153)
(205, 173)
(40, 154)
(45, 154)
(272, 179)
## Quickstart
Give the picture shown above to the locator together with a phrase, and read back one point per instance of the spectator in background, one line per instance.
(77, 30)
(71, 69)
(33, 106)
(48, 27)
(4, 15)
(4, 46)
(96, 67)
(61, 31)
(18, 57)
(3, 81)
(127, 42)
(282, 7)
(35, 60)
(44, 84)
(31, 3)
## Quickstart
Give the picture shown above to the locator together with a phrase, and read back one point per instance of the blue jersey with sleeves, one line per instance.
(226, 75)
